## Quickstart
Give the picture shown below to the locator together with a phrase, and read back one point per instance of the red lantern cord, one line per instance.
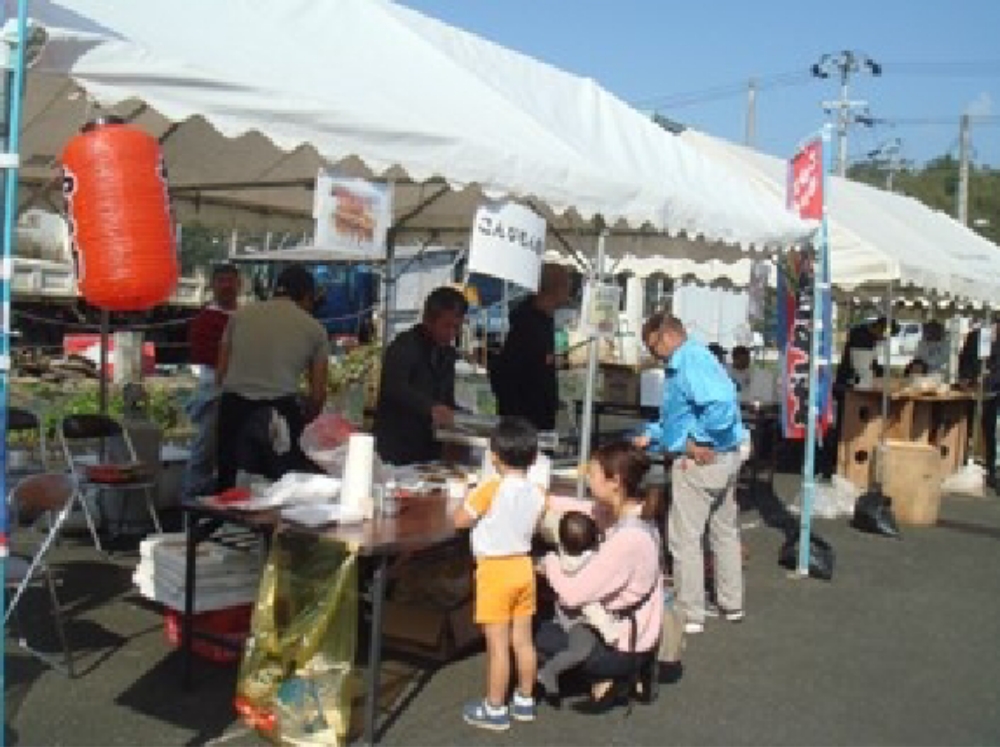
(119, 214)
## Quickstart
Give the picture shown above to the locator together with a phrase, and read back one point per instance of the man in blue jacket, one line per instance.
(700, 426)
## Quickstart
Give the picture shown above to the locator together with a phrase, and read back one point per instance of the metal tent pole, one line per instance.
(11, 95)
(102, 363)
(821, 284)
(886, 382)
(597, 277)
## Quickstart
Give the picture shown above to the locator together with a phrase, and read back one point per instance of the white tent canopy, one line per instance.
(875, 237)
(251, 97)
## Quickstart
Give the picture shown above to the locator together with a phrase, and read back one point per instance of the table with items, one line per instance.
(423, 521)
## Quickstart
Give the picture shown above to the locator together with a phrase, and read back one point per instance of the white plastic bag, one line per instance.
(968, 480)
(832, 499)
(847, 494)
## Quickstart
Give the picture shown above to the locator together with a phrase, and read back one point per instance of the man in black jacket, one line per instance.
(864, 336)
(523, 375)
(417, 386)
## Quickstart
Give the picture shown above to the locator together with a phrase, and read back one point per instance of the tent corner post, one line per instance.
(586, 429)
(820, 278)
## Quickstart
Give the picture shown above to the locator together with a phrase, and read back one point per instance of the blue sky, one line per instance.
(650, 51)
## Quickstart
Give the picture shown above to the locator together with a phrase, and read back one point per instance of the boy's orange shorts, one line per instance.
(505, 589)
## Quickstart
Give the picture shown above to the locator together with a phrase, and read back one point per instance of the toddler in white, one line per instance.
(578, 539)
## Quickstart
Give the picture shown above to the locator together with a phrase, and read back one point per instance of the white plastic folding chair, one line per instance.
(44, 494)
(89, 440)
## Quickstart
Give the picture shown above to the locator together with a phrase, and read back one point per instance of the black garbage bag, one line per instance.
(821, 556)
(873, 514)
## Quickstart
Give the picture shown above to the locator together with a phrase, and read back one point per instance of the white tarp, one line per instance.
(376, 90)
(875, 237)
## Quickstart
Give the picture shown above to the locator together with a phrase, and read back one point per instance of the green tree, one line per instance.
(936, 185)
(201, 245)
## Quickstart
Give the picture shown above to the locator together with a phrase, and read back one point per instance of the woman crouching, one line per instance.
(624, 575)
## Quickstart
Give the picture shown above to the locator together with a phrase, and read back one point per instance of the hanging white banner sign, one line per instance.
(507, 242)
(601, 304)
(352, 215)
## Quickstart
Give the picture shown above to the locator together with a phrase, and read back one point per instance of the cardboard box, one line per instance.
(439, 634)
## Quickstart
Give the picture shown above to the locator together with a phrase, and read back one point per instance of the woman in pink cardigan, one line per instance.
(624, 575)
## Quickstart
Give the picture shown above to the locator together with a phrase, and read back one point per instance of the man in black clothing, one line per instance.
(523, 375)
(864, 336)
(417, 387)
(968, 371)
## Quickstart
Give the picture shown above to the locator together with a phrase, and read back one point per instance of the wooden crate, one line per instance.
(861, 427)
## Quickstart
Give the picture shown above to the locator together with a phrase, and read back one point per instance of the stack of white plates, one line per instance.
(226, 577)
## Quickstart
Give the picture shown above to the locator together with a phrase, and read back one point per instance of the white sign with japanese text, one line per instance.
(507, 242)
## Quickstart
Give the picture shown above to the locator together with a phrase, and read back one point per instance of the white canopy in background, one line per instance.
(875, 237)
(251, 97)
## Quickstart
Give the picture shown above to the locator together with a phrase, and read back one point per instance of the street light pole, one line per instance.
(844, 64)
(842, 113)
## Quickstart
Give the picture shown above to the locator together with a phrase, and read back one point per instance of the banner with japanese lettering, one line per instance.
(805, 182)
(796, 302)
(795, 320)
(507, 242)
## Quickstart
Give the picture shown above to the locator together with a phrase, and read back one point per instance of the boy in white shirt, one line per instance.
(503, 513)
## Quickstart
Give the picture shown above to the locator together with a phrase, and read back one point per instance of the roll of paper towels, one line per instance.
(356, 490)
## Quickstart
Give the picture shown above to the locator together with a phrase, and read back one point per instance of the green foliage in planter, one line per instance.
(165, 405)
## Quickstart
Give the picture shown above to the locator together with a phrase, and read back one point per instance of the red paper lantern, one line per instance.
(118, 208)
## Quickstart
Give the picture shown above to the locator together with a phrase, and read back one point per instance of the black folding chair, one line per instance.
(89, 440)
(44, 494)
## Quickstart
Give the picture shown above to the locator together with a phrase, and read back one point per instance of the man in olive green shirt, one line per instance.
(266, 349)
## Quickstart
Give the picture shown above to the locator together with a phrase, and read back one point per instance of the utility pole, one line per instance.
(964, 146)
(888, 155)
(751, 134)
(844, 64)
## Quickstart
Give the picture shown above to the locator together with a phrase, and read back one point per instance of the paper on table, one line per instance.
(298, 487)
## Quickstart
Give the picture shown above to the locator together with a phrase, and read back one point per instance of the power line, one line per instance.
(954, 68)
(723, 91)
(948, 120)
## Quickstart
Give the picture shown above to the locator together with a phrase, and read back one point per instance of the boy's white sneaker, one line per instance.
(693, 628)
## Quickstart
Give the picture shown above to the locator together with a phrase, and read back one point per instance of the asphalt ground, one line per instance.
(901, 647)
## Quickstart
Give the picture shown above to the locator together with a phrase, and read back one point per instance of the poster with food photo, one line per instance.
(352, 215)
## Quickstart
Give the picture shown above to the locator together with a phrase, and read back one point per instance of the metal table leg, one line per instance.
(375, 650)
(190, 574)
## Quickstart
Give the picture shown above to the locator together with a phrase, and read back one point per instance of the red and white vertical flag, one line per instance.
(805, 189)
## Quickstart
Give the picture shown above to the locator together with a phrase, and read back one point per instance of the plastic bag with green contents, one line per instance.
(294, 679)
